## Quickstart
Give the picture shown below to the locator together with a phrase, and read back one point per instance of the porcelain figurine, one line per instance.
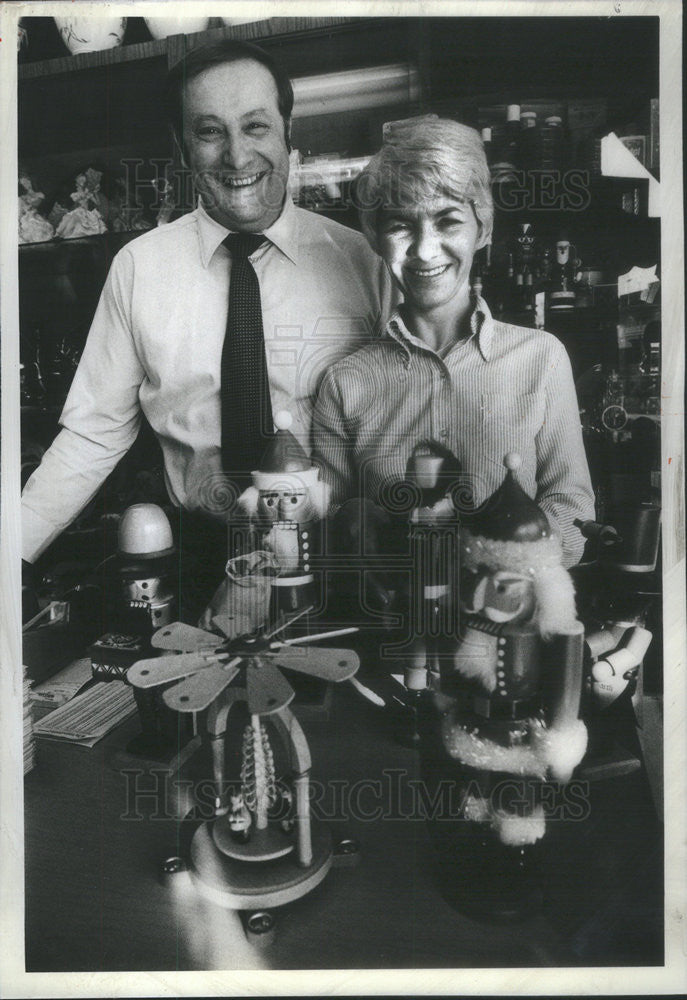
(33, 227)
(162, 27)
(91, 34)
(85, 219)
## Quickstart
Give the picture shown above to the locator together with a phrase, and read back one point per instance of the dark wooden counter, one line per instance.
(94, 902)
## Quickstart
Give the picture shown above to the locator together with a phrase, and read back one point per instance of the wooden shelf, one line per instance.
(32, 409)
(93, 60)
(111, 239)
(255, 30)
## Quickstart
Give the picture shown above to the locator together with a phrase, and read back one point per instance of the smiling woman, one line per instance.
(446, 371)
(429, 250)
(426, 209)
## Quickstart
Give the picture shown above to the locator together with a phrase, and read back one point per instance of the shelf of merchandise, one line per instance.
(172, 46)
(115, 104)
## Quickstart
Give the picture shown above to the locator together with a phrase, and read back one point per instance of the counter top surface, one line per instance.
(93, 851)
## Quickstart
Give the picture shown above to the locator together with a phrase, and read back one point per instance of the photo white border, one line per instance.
(672, 977)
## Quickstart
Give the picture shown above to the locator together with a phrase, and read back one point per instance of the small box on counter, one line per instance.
(113, 654)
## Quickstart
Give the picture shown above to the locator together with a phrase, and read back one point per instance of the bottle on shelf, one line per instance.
(505, 295)
(488, 144)
(552, 143)
(588, 154)
(518, 301)
(529, 151)
(529, 290)
(505, 155)
(512, 146)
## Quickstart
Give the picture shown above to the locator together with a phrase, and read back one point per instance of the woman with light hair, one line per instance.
(445, 370)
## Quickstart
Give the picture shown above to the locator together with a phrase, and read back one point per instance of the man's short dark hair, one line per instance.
(227, 50)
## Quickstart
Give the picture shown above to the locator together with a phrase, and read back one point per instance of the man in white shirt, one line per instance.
(155, 344)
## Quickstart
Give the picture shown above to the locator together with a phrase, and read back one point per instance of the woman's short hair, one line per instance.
(227, 50)
(421, 159)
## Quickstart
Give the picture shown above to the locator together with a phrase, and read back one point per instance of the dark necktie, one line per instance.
(245, 392)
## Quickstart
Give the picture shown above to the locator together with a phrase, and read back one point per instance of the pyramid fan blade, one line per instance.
(233, 625)
(268, 691)
(161, 669)
(285, 619)
(197, 692)
(184, 638)
(329, 664)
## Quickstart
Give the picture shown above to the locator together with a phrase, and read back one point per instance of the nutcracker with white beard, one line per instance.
(510, 699)
(285, 506)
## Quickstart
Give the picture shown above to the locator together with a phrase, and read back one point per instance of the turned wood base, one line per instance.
(248, 885)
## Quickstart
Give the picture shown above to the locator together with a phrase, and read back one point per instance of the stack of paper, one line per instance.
(61, 687)
(90, 716)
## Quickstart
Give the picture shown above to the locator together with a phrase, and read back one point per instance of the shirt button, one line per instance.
(443, 433)
(304, 534)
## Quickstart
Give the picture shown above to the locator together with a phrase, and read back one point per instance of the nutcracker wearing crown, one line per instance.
(285, 506)
(513, 689)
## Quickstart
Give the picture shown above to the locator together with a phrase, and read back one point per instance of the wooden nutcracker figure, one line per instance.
(432, 475)
(285, 506)
(511, 696)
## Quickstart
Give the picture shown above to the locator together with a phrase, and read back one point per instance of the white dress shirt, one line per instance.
(504, 389)
(155, 346)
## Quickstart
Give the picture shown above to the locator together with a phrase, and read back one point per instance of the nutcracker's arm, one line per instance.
(562, 682)
(562, 743)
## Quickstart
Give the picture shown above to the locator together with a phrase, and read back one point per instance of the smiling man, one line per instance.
(446, 370)
(157, 341)
(236, 142)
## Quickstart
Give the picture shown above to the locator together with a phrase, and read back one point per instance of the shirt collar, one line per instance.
(283, 233)
(481, 327)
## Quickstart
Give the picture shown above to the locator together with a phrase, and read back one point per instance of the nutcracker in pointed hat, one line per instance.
(285, 506)
(513, 689)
